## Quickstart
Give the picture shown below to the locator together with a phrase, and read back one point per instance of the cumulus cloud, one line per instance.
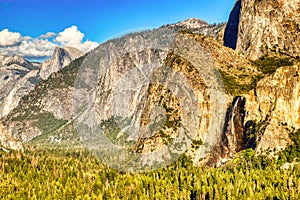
(8, 38)
(73, 37)
(33, 48)
(48, 35)
(36, 48)
(13, 43)
(70, 36)
(88, 46)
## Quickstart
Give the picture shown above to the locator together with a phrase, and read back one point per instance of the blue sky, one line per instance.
(99, 20)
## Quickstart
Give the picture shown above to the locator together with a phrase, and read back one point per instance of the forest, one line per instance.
(76, 174)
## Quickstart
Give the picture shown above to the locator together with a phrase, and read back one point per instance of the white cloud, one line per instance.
(73, 37)
(88, 46)
(13, 43)
(36, 48)
(26, 38)
(33, 48)
(70, 36)
(48, 35)
(8, 38)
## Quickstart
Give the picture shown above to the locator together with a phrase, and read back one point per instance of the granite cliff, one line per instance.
(257, 27)
(61, 57)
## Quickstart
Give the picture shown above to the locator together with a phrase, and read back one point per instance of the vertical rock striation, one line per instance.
(264, 26)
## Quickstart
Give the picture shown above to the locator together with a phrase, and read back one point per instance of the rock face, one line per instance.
(7, 142)
(256, 29)
(265, 26)
(62, 56)
(18, 77)
(263, 118)
(199, 26)
(234, 128)
(274, 106)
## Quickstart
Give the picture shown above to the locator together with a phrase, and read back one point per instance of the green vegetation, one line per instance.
(112, 127)
(66, 76)
(47, 122)
(268, 65)
(292, 152)
(196, 144)
(232, 86)
(61, 174)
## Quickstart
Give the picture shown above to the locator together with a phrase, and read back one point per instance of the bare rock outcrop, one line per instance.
(18, 77)
(274, 106)
(264, 26)
(7, 142)
(62, 56)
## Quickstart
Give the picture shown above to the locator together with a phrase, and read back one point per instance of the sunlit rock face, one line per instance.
(264, 26)
(62, 56)
(274, 107)
(7, 142)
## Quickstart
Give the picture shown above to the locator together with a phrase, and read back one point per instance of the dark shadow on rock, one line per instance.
(232, 27)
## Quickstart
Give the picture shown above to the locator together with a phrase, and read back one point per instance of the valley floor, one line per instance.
(74, 174)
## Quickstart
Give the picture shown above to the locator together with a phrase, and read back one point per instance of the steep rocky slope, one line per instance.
(267, 32)
(18, 77)
(61, 57)
(264, 26)
(274, 108)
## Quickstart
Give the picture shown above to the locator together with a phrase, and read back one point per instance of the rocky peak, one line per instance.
(199, 26)
(14, 61)
(191, 23)
(62, 56)
(264, 26)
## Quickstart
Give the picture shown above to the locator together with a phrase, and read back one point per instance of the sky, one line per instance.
(32, 28)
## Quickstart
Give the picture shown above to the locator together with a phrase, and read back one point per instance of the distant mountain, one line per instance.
(199, 26)
(191, 23)
(19, 77)
(61, 57)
